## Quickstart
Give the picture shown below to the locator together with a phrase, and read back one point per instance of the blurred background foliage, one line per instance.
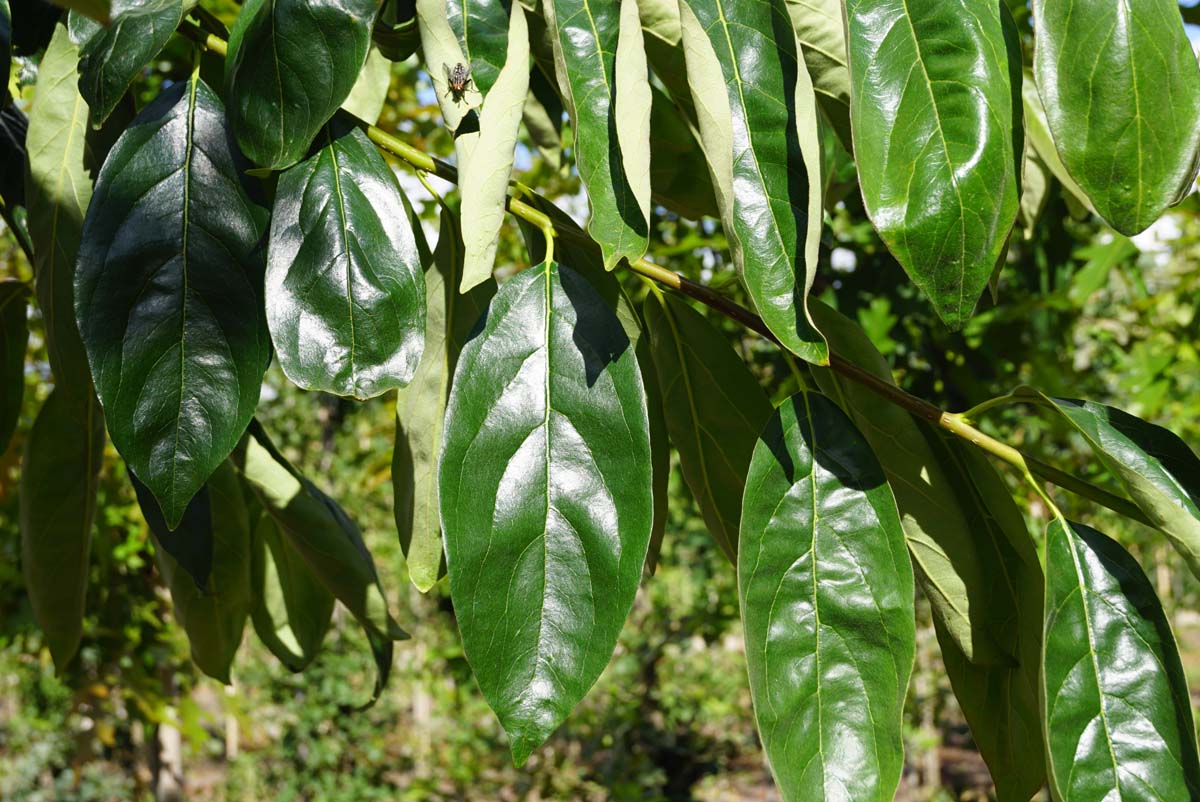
(1082, 312)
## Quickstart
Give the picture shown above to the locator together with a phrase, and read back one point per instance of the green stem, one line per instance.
(957, 425)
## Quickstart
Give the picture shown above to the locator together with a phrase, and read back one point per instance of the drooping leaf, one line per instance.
(214, 612)
(483, 28)
(758, 124)
(485, 169)
(369, 93)
(113, 57)
(1118, 719)
(585, 36)
(822, 38)
(167, 294)
(14, 337)
(574, 247)
(443, 52)
(955, 560)
(715, 411)
(14, 159)
(826, 592)
(291, 610)
(58, 190)
(1035, 190)
(291, 64)
(190, 544)
(545, 497)
(1157, 469)
(939, 155)
(1122, 97)
(328, 541)
(421, 407)
(344, 286)
(999, 701)
(60, 469)
(664, 51)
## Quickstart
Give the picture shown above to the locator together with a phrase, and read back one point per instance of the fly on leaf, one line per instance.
(458, 79)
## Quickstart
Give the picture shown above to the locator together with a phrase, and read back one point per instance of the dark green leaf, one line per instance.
(6, 38)
(421, 407)
(14, 163)
(190, 544)
(574, 248)
(584, 34)
(679, 177)
(1037, 132)
(345, 289)
(111, 59)
(395, 32)
(59, 472)
(758, 124)
(542, 116)
(714, 407)
(1157, 469)
(827, 605)
(291, 609)
(955, 559)
(331, 545)
(482, 29)
(545, 497)
(167, 294)
(1122, 96)
(14, 337)
(999, 701)
(1118, 719)
(99, 10)
(291, 64)
(58, 190)
(213, 613)
(939, 156)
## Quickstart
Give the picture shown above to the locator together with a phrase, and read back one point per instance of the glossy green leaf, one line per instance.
(1122, 95)
(111, 59)
(442, 52)
(14, 337)
(1118, 719)
(172, 318)
(212, 613)
(369, 93)
(421, 407)
(483, 30)
(545, 497)
(938, 138)
(758, 125)
(715, 411)
(822, 37)
(1157, 469)
(344, 286)
(485, 165)
(999, 701)
(291, 64)
(291, 610)
(59, 473)
(574, 247)
(58, 189)
(955, 560)
(826, 592)
(607, 140)
(331, 545)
